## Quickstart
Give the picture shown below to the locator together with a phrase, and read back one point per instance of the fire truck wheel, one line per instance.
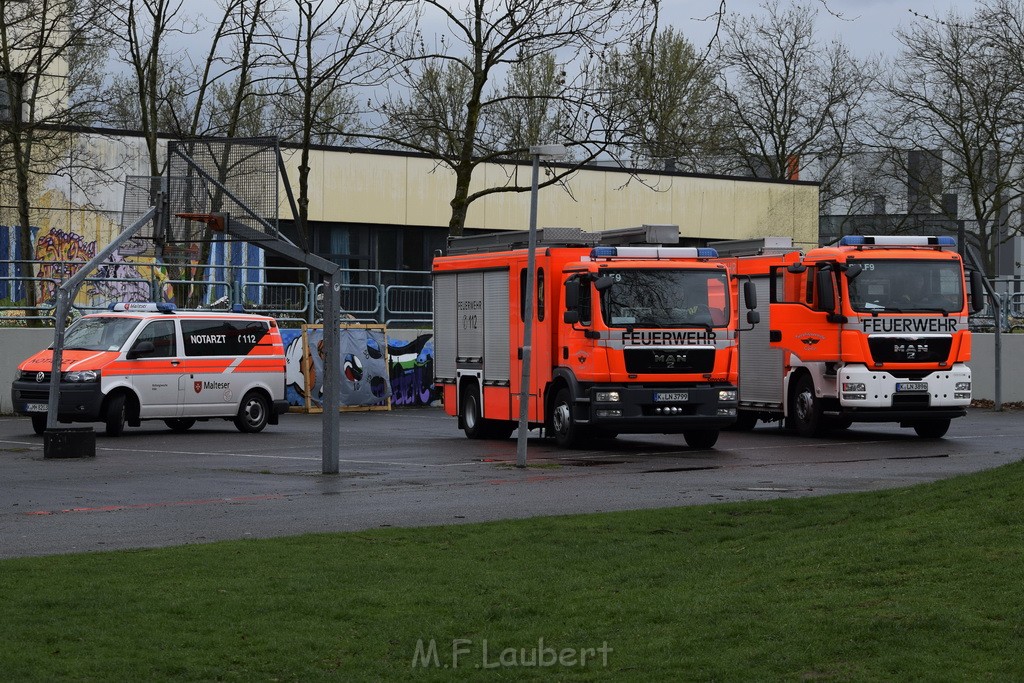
(745, 421)
(472, 417)
(701, 439)
(932, 429)
(805, 408)
(39, 424)
(563, 426)
(181, 424)
(253, 413)
(116, 415)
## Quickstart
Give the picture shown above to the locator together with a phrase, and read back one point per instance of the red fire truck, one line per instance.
(873, 329)
(626, 338)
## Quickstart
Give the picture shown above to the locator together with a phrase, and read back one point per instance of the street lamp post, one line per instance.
(548, 152)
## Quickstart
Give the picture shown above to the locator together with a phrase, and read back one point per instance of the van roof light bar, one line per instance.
(897, 241)
(142, 307)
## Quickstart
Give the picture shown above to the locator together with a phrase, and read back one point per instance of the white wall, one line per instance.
(17, 345)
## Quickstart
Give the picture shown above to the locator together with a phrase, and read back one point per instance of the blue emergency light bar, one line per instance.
(143, 307)
(653, 252)
(896, 241)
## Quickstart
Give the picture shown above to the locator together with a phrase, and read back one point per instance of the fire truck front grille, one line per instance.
(665, 361)
(909, 349)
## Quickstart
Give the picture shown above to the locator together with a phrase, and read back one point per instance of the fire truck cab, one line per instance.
(626, 338)
(873, 329)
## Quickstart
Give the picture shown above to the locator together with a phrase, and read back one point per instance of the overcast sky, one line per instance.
(866, 26)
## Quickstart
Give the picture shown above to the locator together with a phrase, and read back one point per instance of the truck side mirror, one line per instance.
(826, 296)
(853, 270)
(977, 292)
(572, 294)
(140, 349)
(750, 295)
(753, 317)
(604, 282)
(796, 268)
(570, 317)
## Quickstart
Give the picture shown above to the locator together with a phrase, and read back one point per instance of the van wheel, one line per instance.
(180, 424)
(701, 439)
(563, 425)
(39, 424)
(116, 415)
(253, 413)
(805, 408)
(932, 429)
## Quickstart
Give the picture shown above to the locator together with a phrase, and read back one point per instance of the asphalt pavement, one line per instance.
(412, 467)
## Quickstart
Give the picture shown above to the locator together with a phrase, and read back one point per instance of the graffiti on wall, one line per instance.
(412, 371)
(410, 368)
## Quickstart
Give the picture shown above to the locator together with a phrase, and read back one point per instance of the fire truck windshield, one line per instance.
(906, 286)
(666, 297)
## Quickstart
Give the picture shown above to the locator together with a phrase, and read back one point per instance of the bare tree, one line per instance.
(40, 96)
(329, 47)
(667, 98)
(495, 61)
(796, 102)
(955, 124)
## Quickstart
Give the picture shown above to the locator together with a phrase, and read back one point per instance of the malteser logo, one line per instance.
(198, 386)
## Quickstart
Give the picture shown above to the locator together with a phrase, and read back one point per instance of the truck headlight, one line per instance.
(727, 395)
(607, 396)
(854, 386)
(83, 376)
(963, 386)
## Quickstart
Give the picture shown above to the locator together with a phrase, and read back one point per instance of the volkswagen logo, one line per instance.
(40, 376)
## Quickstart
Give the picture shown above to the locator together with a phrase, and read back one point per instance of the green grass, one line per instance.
(922, 583)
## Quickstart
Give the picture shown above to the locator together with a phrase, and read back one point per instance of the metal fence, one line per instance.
(287, 293)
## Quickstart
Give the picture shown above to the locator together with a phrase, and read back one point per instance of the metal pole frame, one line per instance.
(536, 152)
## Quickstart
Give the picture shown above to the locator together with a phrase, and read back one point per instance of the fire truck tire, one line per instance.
(701, 439)
(116, 415)
(839, 423)
(180, 424)
(745, 421)
(253, 413)
(39, 424)
(932, 429)
(473, 422)
(805, 408)
(563, 426)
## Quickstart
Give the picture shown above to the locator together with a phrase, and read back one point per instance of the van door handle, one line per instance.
(175, 363)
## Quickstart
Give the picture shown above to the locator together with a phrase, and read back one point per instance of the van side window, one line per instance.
(222, 337)
(163, 336)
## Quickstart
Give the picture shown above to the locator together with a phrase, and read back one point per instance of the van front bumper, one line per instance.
(77, 401)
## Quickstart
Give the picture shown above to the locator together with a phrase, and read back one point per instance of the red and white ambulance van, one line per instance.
(153, 362)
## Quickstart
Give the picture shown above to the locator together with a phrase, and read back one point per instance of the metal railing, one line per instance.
(287, 293)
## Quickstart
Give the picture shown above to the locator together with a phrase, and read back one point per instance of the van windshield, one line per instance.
(99, 334)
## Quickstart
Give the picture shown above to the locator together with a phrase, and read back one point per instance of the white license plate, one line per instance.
(36, 407)
(671, 397)
(912, 386)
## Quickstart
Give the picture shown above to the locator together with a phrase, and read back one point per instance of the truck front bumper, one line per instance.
(657, 409)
